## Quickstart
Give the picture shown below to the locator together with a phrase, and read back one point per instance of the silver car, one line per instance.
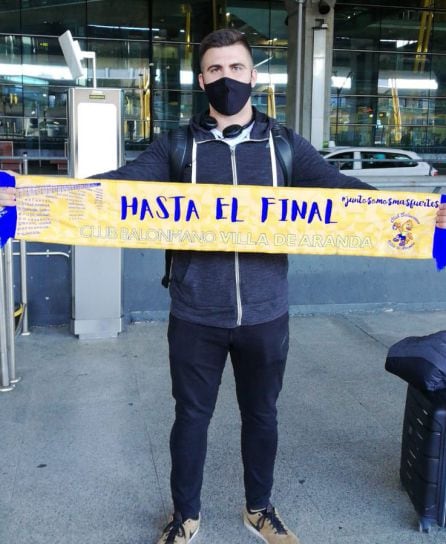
(378, 161)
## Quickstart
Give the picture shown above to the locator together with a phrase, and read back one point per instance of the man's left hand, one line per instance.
(440, 221)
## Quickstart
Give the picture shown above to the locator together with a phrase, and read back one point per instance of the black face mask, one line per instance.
(228, 96)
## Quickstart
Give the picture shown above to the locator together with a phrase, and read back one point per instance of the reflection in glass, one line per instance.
(148, 49)
(9, 18)
(44, 18)
(388, 75)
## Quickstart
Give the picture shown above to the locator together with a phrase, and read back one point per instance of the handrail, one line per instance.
(376, 160)
(402, 182)
(331, 159)
(34, 157)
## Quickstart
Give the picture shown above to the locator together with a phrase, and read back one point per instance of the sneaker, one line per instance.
(178, 531)
(268, 526)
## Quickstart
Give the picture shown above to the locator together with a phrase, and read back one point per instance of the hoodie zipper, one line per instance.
(236, 255)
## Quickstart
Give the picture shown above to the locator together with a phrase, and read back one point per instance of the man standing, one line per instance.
(225, 303)
(229, 303)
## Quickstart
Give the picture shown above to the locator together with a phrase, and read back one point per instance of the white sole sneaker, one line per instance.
(195, 534)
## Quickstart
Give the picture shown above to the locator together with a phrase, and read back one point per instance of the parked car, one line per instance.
(378, 161)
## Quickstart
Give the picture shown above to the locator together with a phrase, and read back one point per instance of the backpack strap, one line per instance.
(180, 145)
(282, 139)
(165, 280)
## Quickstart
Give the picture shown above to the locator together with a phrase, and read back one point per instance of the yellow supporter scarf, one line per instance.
(204, 217)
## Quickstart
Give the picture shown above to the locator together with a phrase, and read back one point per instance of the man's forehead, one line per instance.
(231, 54)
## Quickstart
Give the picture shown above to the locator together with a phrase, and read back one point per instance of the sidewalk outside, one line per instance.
(84, 438)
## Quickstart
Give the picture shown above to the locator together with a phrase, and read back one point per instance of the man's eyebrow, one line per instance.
(213, 66)
(220, 65)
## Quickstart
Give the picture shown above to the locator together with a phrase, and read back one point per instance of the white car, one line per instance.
(377, 161)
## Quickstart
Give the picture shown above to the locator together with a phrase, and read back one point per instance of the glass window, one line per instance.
(438, 74)
(356, 135)
(404, 29)
(53, 18)
(9, 17)
(401, 161)
(392, 96)
(381, 159)
(400, 122)
(382, 72)
(186, 22)
(171, 113)
(393, 27)
(373, 160)
(173, 66)
(438, 41)
(118, 19)
(273, 104)
(384, 3)
(279, 30)
(146, 48)
(43, 58)
(343, 161)
(357, 27)
(271, 66)
(408, 66)
(263, 22)
(119, 63)
(355, 72)
(437, 112)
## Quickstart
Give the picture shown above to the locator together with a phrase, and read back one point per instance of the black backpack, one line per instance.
(180, 146)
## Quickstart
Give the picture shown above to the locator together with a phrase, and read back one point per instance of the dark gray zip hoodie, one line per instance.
(230, 289)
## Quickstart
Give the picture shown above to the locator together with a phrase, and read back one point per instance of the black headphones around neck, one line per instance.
(232, 131)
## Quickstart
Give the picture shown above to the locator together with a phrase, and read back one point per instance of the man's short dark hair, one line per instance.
(222, 38)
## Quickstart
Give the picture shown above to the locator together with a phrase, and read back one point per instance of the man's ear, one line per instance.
(200, 81)
(253, 77)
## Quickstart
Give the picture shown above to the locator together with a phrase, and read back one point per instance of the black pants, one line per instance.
(197, 358)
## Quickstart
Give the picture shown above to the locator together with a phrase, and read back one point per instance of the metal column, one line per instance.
(318, 86)
(23, 268)
(9, 311)
(5, 381)
(8, 377)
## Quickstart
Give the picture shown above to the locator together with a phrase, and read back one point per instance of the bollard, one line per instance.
(5, 384)
(24, 288)
(23, 268)
(9, 311)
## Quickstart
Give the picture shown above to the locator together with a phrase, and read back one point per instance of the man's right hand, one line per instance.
(7, 196)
